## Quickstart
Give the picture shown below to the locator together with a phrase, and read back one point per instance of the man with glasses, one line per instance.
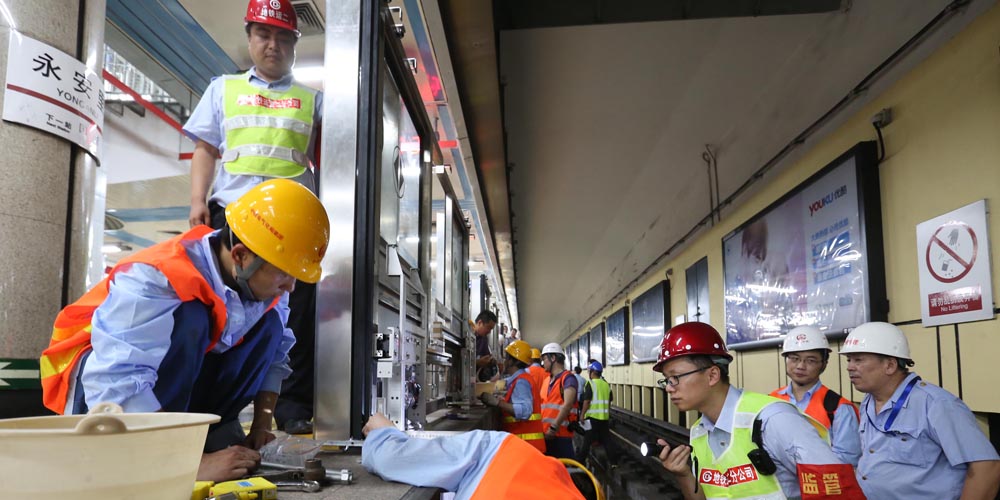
(745, 445)
(806, 352)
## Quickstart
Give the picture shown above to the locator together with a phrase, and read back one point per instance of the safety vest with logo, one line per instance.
(71, 331)
(518, 470)
(552, 403)
(731, 475)
(600, 404)
(819, 407)
(267, 131)
(529, 430)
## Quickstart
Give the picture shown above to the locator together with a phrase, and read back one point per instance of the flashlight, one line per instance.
(650, 449)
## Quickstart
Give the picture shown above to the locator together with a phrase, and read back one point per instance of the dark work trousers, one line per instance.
(296, 399)
(559, 447)
(601, 433)
(190, 380)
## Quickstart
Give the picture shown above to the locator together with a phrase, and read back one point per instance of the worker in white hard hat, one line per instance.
(807, 352)
(558, 402)
(919, 441)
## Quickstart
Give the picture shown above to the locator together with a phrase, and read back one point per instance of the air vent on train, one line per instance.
(310, 20)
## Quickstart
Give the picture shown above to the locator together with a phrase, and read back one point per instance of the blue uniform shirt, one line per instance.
(453, 463)
(132, 332)
(521, 397)
(205, 124)
(844, 430)
(924, 455)
(788, 437)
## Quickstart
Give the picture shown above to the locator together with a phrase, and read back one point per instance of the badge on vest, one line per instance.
(735, 475)
(260, 101)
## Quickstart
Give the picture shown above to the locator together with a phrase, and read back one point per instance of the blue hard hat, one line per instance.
(596, 367)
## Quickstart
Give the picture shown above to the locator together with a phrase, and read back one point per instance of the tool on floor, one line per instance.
(265, 489)
(313, 471)
(307, 486)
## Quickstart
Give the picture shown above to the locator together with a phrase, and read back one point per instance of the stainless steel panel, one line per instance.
(337, 191)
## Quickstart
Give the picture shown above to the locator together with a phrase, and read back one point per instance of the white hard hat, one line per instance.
(553, 348)
(877, 338)
(804, 338)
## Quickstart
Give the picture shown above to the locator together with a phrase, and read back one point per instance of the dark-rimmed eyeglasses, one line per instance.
(673, 380)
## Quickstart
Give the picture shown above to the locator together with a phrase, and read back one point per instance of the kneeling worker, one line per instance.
(196, 324)
(807, 352)
(476, 465)
(521, 406)
(745, 445)
(920, 441)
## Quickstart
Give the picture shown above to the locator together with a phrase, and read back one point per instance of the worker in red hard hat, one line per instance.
(251, 127)
(745, 444)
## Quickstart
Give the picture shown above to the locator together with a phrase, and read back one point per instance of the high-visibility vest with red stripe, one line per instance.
(816, 408)
(529, 430)
(518, 470)
(552, 402)
(71, 331)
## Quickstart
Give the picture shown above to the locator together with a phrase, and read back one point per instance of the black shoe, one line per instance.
(298, 427)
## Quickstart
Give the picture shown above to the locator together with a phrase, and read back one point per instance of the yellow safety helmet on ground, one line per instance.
(589, 487)
(283, 223)
(535, 353)
(520, 350)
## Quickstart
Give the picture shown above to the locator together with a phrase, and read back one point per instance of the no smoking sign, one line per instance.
(954, 264)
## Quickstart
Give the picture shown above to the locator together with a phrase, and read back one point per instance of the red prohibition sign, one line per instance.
(966, 266)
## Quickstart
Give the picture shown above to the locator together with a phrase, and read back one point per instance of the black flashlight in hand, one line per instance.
(650, 449)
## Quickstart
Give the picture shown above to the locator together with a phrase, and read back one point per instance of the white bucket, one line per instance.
(106, 455)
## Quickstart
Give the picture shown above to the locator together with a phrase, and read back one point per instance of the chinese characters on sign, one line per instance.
(52, 91)
(953, 255)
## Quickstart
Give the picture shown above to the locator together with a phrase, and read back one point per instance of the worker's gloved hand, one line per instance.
(488, 399)
(228, 464)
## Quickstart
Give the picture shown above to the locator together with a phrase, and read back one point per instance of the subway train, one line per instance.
(658, 195)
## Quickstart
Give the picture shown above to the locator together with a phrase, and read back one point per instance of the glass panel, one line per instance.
(390, 167)
(458, 265)
(409, 204)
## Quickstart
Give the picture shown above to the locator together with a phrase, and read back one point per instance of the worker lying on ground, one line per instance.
(196, 324)
(474, 465)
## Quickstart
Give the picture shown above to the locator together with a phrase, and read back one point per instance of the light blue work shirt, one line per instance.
(521, 397)
(453, 463)
(205, 124)
(926, 451)
(132, 330)
(844, 436)
(788, 438)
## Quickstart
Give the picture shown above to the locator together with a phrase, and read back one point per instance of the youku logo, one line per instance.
(818, 205)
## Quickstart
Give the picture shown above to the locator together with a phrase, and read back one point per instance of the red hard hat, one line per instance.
(687, 339)
(278, 13)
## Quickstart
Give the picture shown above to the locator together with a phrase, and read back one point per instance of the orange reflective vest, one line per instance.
(529, 430)
(538, 376)
(518, 470)
(71, 331)
(822, 405)
(552, 402)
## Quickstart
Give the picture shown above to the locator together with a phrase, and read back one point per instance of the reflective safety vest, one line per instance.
(529, 430)
(267, 132)
(518, 470)
(600, 404)
(538, 376)
(822, 405)
(552, 403)
(731, 475)
(71, 331)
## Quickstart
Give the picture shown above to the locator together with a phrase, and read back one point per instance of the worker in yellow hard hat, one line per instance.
(250, 127)
(196, 324)
(521, 406)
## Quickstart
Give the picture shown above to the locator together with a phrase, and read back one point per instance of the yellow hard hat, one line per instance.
(535, 353)
(520, 350)
(283, 223)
